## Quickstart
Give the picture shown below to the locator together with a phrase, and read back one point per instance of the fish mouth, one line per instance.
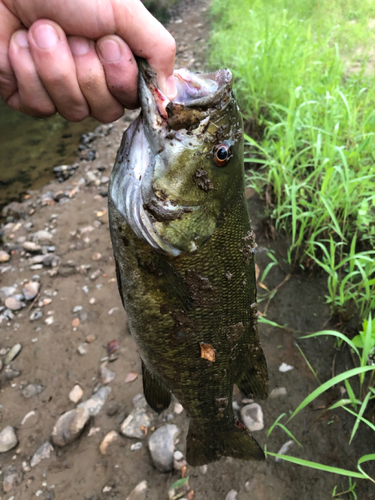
(138, 158)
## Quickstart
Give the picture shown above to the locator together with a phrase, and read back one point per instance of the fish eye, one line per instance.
(222, 154)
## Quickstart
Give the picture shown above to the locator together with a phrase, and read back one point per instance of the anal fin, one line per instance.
(253, 381)
(156, 394)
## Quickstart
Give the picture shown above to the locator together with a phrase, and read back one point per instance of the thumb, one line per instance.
(148, 38)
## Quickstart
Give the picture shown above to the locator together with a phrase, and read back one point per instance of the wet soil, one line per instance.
(49, 354)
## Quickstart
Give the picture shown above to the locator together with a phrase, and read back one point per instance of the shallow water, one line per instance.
(30, 148)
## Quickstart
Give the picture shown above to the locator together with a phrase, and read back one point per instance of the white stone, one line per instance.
(8, 439)
(278, 392)
(252, 417)
(75, 394)
(285, 447)
(139, 492)
(231, 495)
(42, 453)
(96, 402)
(161, 445)
(285, 368)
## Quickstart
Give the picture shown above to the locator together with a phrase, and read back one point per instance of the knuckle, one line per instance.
(108, 116)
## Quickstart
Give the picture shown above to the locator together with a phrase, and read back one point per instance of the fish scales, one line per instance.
(192, 310)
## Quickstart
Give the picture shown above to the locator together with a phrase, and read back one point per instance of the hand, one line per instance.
(76, 57)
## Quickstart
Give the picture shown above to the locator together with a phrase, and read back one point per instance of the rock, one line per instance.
(109, 438)
(4, 257)
(30, 290)
(7, 291)
(42, 236)
(11, 374)
(278, 392)
(136, 446)
(106, 374)
(12, 354)
(139, 492)
(63, 172)
(203, 469)
(161, 445)
(77, 309)
(69, 426)
(82, 349)
(112, 347)
(90, 338)
(51, 260)
(36, 314)
(32, 390)
(231, 495)
(178, 409)
(32, 247)
(8, 439)
(252, 417)
(29, 420)
(41, 453)
(95, 275)
(285, 368)
(178, 460)
(12, 477)
(75, 394)
(136, 424)
(139, 401)
(48, 321)
(114, 310)
(96, 402)
(14, 304)
(285, 447)
(130, 377)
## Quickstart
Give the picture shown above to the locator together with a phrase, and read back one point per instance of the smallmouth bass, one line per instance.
(184, 253)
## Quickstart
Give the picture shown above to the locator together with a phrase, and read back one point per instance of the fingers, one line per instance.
(147, 38)
(55, 66)
(9, 23)
(120, 68)
(31, 97)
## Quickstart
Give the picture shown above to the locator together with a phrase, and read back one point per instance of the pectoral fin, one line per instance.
(253, 381)
(156, 394)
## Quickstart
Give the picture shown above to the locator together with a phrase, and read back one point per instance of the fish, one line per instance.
(184, 254)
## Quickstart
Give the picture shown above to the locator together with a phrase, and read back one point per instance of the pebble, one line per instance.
(136, 446)
(82, 349)
(12, 477)
(161, 445)
(32, 390)
(203, 469)
(178, 460)
(139, 401)
(30, 246)
(109, 438)
(11, 374)
(8, 439)
(77, 309)
(4, 257)
(130, 377)
(51, 260)
(30, 290)
(75, 394)
(96, 402)
(252, 417)
(231, 495)
(139, 492)
(75, 323)
(42, 236)
(285, 447)
(178, 408)
(30, 419)
(136, 424)
(36, 314)
(49, 320)
(112, 347)
(285, 368)
(278, 392)
(7, 291)
(114, 310)
(14, 304)
(96, 256)
(12, 354)
(95, 275)
(42, 453)
(106, 374)
(69, 426)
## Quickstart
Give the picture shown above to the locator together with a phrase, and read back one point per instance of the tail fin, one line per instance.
(207, 446)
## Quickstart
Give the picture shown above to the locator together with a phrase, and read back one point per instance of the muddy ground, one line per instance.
(75, 213)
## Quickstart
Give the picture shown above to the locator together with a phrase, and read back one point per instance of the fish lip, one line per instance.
(200, 94)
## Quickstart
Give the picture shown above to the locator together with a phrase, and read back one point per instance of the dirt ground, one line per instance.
(75, 213)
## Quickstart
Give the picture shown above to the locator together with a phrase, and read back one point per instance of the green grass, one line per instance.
(311, 128)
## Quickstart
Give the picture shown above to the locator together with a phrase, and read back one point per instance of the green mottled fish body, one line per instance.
(187, 279)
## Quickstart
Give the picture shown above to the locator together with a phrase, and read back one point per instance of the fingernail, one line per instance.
(110, 50)
(21, 39)
(79, 46)
(170, 88)
(45, 36)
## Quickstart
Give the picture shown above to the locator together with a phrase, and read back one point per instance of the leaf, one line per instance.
(207, 352)
(325, 468)
(327, 385)
(180, 482)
